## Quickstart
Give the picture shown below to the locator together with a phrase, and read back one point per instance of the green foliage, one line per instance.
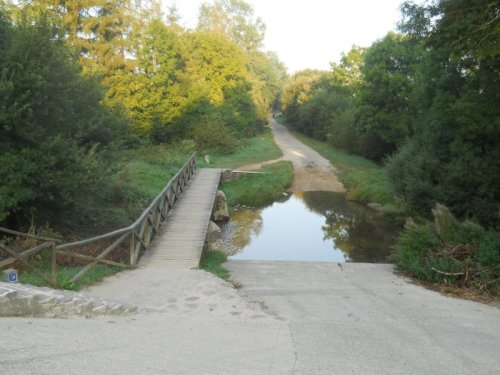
(260, 189)
(64, 274)
(53, 147)
(251, 150)
(267, 75)
(96, 30)
(212, 260)
(323, 105)
(385, 114)
(142, 174)
(235, 20)
(156, 72)
(153, 93)
(299, 89)
(363, 104)
(454, 151)
(213, 136)
(447, 250)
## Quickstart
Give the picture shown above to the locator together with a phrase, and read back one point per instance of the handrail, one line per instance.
(140, 232)
(136, 223)
(27, 235)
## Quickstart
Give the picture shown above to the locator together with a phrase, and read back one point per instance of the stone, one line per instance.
(213, 232)
(220, 211)
(27, 300)
(213, 239)
(218, 245)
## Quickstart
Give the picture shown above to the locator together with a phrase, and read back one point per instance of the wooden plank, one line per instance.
(181, 238)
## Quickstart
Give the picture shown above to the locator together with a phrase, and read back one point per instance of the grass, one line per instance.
(365, 180)
(147, 170)
(212, 260)
(95, 275)
(258, 190)
(252, 150)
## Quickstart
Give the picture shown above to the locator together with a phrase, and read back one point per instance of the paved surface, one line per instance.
(180, 241)
(363, 319)
(188, 322)
(312, 172)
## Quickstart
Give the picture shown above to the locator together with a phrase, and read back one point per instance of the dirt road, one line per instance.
(312, 172)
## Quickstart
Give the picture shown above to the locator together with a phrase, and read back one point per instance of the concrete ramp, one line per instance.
(181, 238)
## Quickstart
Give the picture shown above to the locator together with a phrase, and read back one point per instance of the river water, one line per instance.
(309, 226)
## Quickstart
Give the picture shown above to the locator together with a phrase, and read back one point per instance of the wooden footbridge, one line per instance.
(169, 233)
(180, 240)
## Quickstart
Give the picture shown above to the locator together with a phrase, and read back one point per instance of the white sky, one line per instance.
(312, 33)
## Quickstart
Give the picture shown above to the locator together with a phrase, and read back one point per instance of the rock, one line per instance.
(213, 239)
(220, 211)
(213, 233)
(218, 245)
(27, 300)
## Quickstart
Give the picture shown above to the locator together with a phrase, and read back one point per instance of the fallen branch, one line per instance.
(448, 273)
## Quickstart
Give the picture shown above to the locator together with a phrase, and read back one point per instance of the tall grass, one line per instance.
(64, 274)
(260, 189)
(251, 150)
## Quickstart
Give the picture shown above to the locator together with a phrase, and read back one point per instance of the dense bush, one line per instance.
(213, 136)
(453, 156)
(57, 140)
(447, 250)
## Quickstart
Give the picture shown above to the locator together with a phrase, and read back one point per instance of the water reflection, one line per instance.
(310, 226)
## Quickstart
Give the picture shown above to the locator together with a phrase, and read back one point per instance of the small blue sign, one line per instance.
(12, 277)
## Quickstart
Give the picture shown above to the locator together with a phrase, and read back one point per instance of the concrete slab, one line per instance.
(363, 319)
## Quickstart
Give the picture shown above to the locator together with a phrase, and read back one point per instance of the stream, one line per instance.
(309, 226)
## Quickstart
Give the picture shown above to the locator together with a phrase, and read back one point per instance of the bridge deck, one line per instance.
(180, 240)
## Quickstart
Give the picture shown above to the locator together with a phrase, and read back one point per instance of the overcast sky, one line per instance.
(312, 33)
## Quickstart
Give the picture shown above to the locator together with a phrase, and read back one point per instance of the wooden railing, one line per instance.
(137, 236)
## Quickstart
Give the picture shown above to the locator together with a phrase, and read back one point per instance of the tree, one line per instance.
(234, 19)
(96, 30)
(297, 90)
(455, 145)
(267, 74)
(216, 69)
(385, 112)
(154, 93)
(55, 134)
(214, 64)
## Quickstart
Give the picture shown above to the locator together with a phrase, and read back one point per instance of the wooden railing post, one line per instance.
(132, 247)
(53, 265)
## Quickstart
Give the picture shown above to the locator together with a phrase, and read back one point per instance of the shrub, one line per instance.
(449, 251)
(213, 136)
